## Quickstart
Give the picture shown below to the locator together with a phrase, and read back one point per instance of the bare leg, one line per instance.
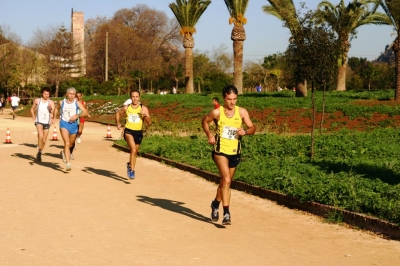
(223, 191)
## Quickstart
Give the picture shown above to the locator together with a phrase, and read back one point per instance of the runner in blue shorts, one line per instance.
(70, 112)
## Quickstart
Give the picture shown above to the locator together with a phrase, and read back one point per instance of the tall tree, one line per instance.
(286, 12)
(236, 9)
(188, 13)
(312, 52)
(392, 10)
(344, 20)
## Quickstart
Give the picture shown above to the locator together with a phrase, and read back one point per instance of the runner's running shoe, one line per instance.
(130, 173)
(78, 140)
(63, 156)
(227, 219)
(39, 156)
(68, 167)
(214, 213)
(71, 157)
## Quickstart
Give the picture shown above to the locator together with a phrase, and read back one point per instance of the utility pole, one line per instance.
(106, 68)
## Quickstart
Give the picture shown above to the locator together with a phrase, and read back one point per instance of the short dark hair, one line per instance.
(135, 91)
(45, 89)
(228, 90)
(216, 99)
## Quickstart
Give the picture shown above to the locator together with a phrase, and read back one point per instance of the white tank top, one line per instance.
(68, 110)
(42, 112)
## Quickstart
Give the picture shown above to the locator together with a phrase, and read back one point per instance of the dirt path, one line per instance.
(94, 215)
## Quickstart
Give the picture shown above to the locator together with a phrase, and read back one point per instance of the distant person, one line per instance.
(174, 90)
(136, 115)
(79, 97)
(14, 100)
(279, 88)
(226, 146)
(70, 112)
(215, 102)
(42, 112)
(2, 103)
(259, 88)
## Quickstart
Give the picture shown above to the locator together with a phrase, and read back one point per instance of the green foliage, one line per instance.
(355, 171)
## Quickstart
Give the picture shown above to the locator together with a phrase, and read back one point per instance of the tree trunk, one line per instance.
(323, 110)
(314, 114)
(238, 65)
(57, 86)
(396, 49)
(238, 36)
(189, 70)
(301, 90)
(341, 79)
(188, 44)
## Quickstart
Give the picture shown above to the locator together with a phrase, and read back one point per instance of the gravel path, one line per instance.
(94, 215)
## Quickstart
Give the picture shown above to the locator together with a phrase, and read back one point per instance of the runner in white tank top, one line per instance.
(42, 112)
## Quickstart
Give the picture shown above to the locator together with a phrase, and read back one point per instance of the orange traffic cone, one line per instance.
(108, 132)
(8, 137)
(54, 134)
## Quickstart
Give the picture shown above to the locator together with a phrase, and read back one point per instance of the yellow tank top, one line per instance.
(227, 139)
(134, 118)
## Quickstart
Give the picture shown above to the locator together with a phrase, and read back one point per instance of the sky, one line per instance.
(265, 34)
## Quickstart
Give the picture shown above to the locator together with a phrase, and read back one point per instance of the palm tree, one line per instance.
(345, 20)
(392, 10)
(236, 9)
(188, 13)
(286, 12)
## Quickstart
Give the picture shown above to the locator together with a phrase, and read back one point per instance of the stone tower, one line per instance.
(78, 36)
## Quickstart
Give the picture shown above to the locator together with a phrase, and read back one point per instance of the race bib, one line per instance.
(44, 116)
(229, 132)
(134, 118)
(66, 115)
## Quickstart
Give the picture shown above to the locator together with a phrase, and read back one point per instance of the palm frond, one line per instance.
(237, 9)
(188, 13)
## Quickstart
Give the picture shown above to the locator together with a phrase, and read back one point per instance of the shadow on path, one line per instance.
(32, 161)
(29, 145)
(105, 173)
(176, 206)
(57, 146)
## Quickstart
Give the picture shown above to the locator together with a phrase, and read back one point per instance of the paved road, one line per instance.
(94, 215)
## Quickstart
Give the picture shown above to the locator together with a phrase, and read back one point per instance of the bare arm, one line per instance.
(146, 115)
(214, 114)
(83, 113)
(33, 109)
(118, 114)
(251, 128)
(52, 111)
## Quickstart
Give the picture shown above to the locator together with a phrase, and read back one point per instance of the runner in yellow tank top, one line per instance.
(226, 153)
(133, 118)
(227, 138)
(136, 114)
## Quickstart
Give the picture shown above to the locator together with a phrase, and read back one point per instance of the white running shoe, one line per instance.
(71, 156)
(78, 140)
(68, 167)
(63, 157)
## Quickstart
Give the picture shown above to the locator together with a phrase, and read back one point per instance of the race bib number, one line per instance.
(66, 115)
(44, 116)
(229, 132)
(134, 118)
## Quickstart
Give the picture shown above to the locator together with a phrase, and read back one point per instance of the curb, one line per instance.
(359, 220)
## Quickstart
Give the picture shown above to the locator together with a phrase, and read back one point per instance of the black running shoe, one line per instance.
(214, 213)
(39, 156)
(227, 219)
